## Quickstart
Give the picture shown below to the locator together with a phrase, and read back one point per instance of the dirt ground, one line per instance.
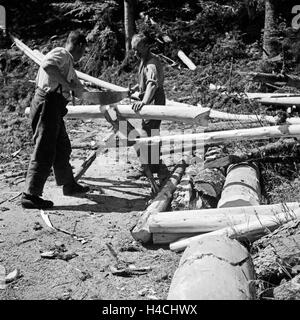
(105, 215)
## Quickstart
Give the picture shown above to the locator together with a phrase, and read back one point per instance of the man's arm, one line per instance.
(148, 96)
(151, 85)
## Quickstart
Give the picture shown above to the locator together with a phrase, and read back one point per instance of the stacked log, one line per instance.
(216, 268)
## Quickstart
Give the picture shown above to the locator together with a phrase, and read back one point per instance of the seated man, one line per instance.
(56, 78)
(151, 91)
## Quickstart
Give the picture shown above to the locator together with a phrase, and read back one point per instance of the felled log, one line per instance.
(207, 220)
(141, 231)
(231, 125)
(215, 114)
(200, 139)
(215, 268)
(290, 80)
(167, 238)
(189, 114)
(289, 290)
(262, 153)
(173, 113)
(208, 183)
(183, 195)
(265, 77)
(241, 187)
(249, 231)
(281, 101)
(186, 60)
(277, 254)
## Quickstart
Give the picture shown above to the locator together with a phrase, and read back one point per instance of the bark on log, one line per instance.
(246, 231)
(289, 290)
(160, 203)
(216, 268)
(276, 254)
(207, 220)
(208, 183)
(183, 195)
(242, 186)
(290, 146)
(231, 125)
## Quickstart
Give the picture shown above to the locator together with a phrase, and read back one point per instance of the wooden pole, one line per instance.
(214, 114)
(215, 268)
(207, 220)
(158, 112)
(281, 101)
(229, 135)
(249, 231)
(141, 231)
(241, 187)
(186, 60)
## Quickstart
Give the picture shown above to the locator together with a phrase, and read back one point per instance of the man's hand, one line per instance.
(137, 106)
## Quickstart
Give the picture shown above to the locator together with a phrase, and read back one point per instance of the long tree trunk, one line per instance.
(269, 29)
(129, 22)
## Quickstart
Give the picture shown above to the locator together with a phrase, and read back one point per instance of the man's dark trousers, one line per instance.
(52, 145)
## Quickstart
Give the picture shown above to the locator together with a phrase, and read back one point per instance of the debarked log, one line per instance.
(214, 268)
(249, 231)
(207, 220)
(185, 114)
(241, 187)
(162, 112)
(227, 136)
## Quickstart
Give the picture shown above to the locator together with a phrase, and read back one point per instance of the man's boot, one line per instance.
(29, 201)
(74, 188)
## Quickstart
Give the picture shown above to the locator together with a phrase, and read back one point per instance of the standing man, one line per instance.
(56, 78)
(151, 91)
